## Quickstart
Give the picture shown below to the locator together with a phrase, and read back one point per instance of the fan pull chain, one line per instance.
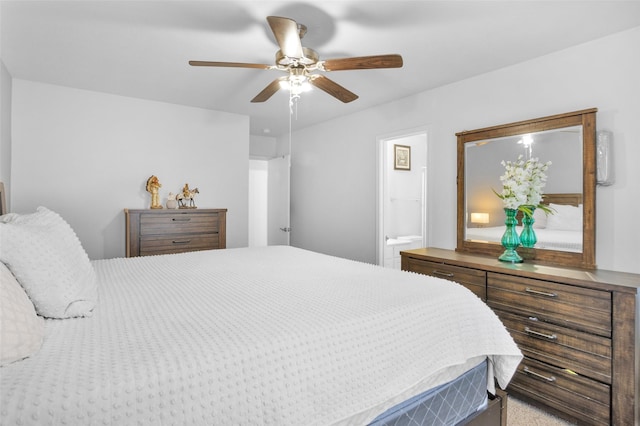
(290, 126)
(293, 104)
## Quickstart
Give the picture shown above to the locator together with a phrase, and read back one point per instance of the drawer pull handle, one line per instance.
(443, 274)
(540, 293)
(181, 242)
(540, 376)
(181, 219)
(537, 333)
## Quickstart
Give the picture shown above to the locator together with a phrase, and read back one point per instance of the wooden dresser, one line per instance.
(163, 231)
(577, 329)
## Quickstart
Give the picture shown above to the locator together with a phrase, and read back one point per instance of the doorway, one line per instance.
(402, 195)
(279, 201)
(269, 202)
(258, 202)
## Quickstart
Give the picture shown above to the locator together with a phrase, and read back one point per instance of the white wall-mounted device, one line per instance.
(604, 168)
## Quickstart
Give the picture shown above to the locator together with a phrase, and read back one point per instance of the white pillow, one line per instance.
(565, 217)
(47, 259)
(21, 329)
(540, 218)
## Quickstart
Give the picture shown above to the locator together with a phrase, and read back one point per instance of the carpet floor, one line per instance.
(522, 414)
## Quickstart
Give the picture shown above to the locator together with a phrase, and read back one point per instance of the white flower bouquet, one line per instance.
(522, 185)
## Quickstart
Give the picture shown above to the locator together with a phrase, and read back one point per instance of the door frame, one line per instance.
(381, 141)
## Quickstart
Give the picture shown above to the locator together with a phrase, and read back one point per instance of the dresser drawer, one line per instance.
(583, 353)
(578, 396)
(179, 223)
(150, 232)
(473, 279)
(574, 307)
(177, 243)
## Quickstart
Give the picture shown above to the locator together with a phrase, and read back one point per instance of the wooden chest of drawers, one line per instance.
(150, 232)
(577, 330)
(474, 279)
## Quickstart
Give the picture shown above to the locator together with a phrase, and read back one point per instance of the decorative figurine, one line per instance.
(153, 184)
(171, 201)
(185, 198)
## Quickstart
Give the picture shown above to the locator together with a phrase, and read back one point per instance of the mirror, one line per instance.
(484, 211)
(565, 238)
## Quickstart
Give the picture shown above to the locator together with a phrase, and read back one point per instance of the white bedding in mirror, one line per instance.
(551, 239)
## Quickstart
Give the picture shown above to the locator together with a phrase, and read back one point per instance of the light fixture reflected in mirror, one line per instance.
(527, 141)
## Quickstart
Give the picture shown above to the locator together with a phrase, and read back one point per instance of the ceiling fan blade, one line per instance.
(333, 88)
(228, 64)
(363, 63)
(268, 91)
(287, 35)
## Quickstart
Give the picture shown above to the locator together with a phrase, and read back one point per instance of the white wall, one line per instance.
(262, 147)
(334, 163)
(87, 155)
(5, 128)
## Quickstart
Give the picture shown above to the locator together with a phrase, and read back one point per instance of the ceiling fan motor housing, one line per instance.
(310, 57)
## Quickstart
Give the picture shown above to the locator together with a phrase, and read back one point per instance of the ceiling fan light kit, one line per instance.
(300, 62)
(297, 82)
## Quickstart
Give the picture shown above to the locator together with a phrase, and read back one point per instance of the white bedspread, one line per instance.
(273, 335)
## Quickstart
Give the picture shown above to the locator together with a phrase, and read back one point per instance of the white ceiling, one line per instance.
(141, 48)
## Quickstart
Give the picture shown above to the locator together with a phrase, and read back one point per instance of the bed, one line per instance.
(561, 230)
(271, 335)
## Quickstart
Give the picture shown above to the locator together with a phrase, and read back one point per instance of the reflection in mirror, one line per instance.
(484, 214)
(565, 238)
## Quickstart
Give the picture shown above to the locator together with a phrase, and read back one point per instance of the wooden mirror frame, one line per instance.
(3, 200)
(586, 118)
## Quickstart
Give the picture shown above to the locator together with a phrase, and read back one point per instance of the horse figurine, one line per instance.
(186, 197)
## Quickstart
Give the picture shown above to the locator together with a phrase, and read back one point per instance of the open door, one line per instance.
(278, 204)
(402, 196)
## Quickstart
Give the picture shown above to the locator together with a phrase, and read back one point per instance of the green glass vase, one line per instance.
(510, 240)
(528, 236)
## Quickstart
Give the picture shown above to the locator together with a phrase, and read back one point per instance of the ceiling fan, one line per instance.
(299, 62)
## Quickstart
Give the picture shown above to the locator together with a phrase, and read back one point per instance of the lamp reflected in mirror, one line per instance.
(479, 219)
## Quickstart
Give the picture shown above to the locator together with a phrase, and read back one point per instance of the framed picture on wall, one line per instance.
(401, 157)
